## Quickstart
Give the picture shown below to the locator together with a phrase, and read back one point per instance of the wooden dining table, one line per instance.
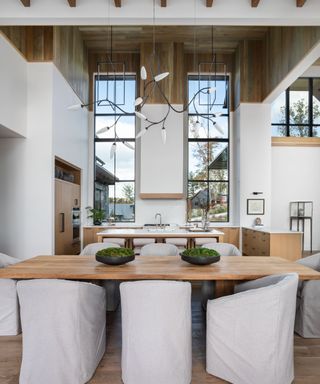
(227, 272)
(160, 235)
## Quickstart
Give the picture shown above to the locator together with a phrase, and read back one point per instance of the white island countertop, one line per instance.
(272, 230)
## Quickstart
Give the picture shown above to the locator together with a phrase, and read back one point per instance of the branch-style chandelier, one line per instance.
(152, 82)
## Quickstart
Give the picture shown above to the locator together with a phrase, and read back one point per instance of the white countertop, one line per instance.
(273, 230)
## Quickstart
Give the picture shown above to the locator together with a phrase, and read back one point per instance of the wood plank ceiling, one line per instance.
(163, 3)
(129, 38)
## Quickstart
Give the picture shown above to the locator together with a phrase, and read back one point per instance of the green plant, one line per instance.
(198, 252)
(119, 252)
(98, 215)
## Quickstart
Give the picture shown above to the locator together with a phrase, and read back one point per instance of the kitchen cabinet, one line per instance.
(268, 242)
(67, 213)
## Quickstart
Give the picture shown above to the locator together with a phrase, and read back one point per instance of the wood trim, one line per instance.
(176, 196)
(301, 3)
(209, 3)
(72, 3)
(117, 3)
(26, 3)
(296, 141)
(255, 3)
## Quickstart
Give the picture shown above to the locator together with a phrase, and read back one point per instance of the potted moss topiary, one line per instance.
(115, 256)
(200, 256)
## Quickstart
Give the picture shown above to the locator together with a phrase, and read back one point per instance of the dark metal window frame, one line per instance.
(111, 140)
(310, 125)
(209, 181)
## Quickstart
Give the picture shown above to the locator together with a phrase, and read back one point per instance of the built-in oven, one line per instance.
(76, 221)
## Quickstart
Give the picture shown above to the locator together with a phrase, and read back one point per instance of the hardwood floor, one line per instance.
(307, 354)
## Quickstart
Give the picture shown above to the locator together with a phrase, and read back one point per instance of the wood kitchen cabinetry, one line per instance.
(260, 242)
(67, 210)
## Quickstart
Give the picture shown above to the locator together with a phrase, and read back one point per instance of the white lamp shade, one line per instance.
(161, 76)
(74, 107)
(128, 145)
(138, 101)
(219, 128)
(143, 73)
(163, 135)
(113, 150)
(102, 130)
(141, 133)
(140, 115)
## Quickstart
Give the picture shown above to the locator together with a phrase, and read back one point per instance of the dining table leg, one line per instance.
(224, 288)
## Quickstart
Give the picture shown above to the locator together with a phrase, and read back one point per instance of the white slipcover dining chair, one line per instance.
(9, 306)
(156, 332)
(250, 333)
(111, 286)
(308, 302)
(208, 287)
(64, 330)
(159, 250)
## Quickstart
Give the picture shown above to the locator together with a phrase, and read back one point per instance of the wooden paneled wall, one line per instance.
(62, 45)
(285, 47)
(71, 58)
(250, 74)
(169, 58)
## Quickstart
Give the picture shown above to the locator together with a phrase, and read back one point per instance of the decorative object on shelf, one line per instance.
(200, 256)
(152, 81)
(255, 206)
(115, 256)
(258, 222)
(301, 212)
(97, 215)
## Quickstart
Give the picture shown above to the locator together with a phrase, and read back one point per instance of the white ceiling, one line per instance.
(177, 12)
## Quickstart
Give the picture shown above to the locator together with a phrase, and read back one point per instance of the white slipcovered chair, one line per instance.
(308, 302)
(111, 286)
(208, 287)
(64, 330)
(156, 332)
(9, 306)
(250, 333)
(159, 249)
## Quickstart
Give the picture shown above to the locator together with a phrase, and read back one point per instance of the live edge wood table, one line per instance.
(227, 272)
(159, 235)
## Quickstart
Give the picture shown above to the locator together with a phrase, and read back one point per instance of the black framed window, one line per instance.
(114, 190)
(296, 112)
(208, 150)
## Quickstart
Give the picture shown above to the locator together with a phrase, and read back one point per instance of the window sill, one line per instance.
(295, 141)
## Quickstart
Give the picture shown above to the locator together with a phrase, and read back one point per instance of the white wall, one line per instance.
(13, 89)
(223, 12)
(161, 165)
(70, 131)
(26, 183)
(253, 123)
(295, 177)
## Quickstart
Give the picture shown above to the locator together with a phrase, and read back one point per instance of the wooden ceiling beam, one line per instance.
(209, 3)
(72, 3)
(255, 3)
(117, 3)
(163, 3)
(301, 3)
(26, 3)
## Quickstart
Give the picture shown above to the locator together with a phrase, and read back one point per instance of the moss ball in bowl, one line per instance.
(115, 256)
(200, 256)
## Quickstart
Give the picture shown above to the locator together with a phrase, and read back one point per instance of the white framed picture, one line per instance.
(255, 206)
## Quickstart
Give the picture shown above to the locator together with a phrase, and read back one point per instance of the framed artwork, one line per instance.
(255, 206)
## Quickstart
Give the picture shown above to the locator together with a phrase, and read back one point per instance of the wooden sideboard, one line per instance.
(231, 234)
(260, 242)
